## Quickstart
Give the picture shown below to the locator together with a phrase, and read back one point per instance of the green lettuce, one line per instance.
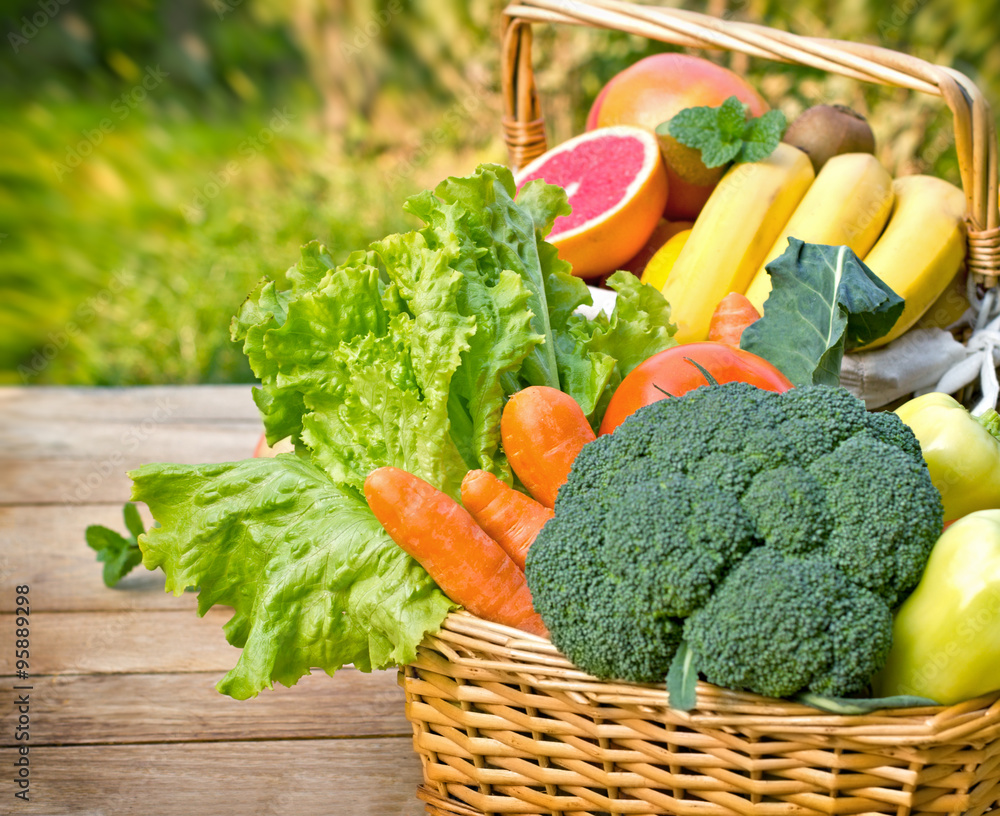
(312, 578)
(403, 354)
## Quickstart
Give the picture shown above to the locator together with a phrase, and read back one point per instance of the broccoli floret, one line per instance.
(769, 628)
(602, 569)
(674, 540)
(788, 507)
(658, 519)
(887, 514)
(886, 427)
(599, 626)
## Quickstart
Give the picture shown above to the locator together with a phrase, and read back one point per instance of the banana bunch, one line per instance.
(733, 234)
(909, 231)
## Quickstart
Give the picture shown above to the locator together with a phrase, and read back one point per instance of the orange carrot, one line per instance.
(509, 517)
(468, 565)
(543, 429)
(733, 314)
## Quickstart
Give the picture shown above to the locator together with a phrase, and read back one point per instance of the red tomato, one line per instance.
(671, 373)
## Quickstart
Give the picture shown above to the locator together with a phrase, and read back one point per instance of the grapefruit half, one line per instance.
(656, 89)
(617, 186)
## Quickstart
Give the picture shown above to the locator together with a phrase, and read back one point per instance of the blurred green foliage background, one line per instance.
(160, 157)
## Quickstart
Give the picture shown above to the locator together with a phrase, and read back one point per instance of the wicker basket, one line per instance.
(503, 723)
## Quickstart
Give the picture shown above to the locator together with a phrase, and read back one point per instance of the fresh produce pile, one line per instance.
(677, 489)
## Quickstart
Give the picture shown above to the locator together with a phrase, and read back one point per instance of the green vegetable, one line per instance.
(962, 451)
(823, 301)
(725, 133)
(402, 355)
(313, 579)
(946, 637)
(119, 554)
(768, 628)
(861, 705)
(772, 533)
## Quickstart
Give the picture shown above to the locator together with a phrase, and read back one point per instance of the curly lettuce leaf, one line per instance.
(313, 579)
(824, 301)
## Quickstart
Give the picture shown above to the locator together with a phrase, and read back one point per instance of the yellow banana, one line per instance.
(658, 269)
(732, 235)
(922, 248)
(848, 204)
(951, 304)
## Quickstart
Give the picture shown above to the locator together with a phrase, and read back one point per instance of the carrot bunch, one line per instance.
(476, 553)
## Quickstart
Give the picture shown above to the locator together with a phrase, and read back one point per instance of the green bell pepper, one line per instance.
(946, 634)
(962, 452)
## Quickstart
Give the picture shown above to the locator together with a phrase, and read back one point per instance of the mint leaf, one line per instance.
(731, 117)
(119, 554)
(312, 578)
(723, 133)
(701, 128)
(823, 301)
(761, 136)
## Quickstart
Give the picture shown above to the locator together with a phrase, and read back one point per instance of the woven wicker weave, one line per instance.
(504, 724)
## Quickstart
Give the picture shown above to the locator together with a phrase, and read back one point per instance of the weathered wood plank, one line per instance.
(74, 481)
(111, 445)
(131, 708)
(131, 640)
(352, 777)
(93, 469)
(45, 548)
(220, 403)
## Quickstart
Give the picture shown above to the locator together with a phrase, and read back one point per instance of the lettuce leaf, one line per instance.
(404, 354)
(824, 301)
(313, 579)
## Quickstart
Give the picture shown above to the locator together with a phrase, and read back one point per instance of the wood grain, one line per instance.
(45, 548)
(211, 403)
(131, 708)
(126, 641)
(349, 777)
(125, 718)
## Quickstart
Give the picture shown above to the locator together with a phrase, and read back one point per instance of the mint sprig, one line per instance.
(119, 554)
(726, 134)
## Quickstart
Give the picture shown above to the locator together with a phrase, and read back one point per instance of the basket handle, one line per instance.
(975, 133)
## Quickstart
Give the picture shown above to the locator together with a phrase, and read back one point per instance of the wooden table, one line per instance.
(122, 713)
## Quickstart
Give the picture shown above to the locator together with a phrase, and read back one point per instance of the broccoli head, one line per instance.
(767, 530)
(780, 609)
